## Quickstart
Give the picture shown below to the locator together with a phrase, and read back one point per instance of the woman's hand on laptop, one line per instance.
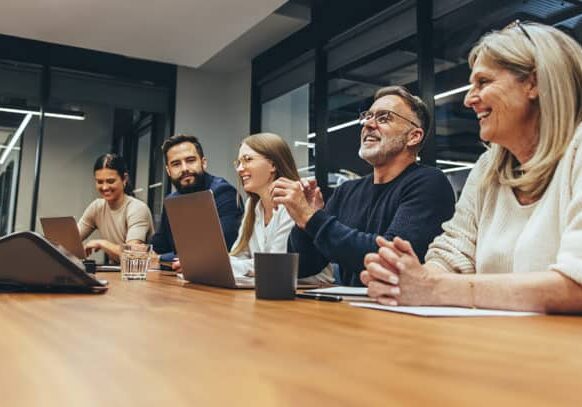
(176, 266)
(92, 246)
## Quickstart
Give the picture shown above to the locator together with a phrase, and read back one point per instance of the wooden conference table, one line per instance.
(165, 343)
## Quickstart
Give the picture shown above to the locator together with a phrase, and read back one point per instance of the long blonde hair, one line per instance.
(556, 61)
(276, 150)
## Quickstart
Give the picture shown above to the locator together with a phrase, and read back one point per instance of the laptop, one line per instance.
(32, 263)
(200, 242)
(63, 231)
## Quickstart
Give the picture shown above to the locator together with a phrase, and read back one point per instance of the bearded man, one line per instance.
(399, 198)
(186, 167)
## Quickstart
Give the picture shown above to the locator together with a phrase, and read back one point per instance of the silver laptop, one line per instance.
(200, 243)
(63, 231)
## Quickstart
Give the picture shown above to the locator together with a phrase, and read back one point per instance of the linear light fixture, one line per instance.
(452, 92)
(449, 162)
(337, 127)
(457, 169)
(305, 144)
(354, 122)
(343, 126)
(69, 116)
(305, 169)
(15, 138)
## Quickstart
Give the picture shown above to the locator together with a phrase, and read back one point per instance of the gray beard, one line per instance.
(377, 158)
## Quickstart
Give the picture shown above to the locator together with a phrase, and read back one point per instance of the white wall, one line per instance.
(215, 107)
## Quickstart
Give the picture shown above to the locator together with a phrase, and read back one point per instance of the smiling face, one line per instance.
(185, 167)
(505, 106)
(109, 185)
(380, 142)
(255, 170)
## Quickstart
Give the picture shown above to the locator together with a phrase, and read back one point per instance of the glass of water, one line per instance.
(135, 261)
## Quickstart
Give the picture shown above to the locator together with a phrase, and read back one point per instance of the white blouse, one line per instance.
(271, 238)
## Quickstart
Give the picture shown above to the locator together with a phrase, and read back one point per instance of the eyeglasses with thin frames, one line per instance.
(383, 117)
(245, 160)
(517, 23)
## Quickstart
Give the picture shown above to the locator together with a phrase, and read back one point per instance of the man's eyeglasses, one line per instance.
(383, 117)
(519, 25)
(245, 160)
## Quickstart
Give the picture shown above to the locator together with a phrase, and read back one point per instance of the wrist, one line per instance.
(437, 283)
(305, 217)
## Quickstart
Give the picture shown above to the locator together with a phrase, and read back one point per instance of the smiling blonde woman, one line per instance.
(515, 241)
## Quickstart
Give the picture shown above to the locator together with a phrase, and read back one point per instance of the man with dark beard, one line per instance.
(400, 197)
(186, 167)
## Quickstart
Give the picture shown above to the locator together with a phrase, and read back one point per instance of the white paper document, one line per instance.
(444, 311)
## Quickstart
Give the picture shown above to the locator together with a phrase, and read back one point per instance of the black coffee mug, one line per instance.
(276, 275)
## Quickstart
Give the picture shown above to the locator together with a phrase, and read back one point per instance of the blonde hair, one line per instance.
(556, 61)
(276, 150)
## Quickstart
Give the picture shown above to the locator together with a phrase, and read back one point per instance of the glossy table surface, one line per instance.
(165, 342)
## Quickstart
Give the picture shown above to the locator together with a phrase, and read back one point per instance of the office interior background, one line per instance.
(303, 69)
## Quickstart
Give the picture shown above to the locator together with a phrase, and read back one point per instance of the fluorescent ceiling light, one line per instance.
(456, 169)
(354, 122)
(338, 127)
(449, 162)
(343, 125)
(452, 92)
(305, 169)
(70, 116)
(304, 143)
(15, 138)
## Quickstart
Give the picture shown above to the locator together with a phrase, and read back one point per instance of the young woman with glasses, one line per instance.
(262, 159)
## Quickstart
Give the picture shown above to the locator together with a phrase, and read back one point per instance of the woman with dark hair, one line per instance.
(119, 217)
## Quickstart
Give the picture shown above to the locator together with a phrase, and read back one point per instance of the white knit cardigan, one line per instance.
(491, 232)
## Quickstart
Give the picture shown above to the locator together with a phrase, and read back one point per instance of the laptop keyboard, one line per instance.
(244, 281)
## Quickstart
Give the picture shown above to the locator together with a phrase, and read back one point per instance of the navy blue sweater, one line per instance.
(229, 212)
(412, 206)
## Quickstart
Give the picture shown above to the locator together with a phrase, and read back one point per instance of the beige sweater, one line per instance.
(131, 221)
(492, 233)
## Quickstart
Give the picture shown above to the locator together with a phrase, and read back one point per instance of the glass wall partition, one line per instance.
(19, 121)
(104, 114)
(287, 109)
(379, 52)
(384, 49)
(93, 103)
(455, 33)
(288, 116)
